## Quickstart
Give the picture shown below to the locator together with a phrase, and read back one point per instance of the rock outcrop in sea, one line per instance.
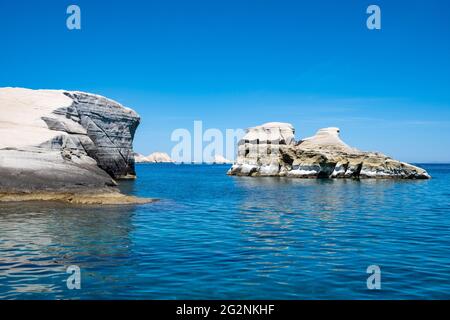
(271, 150)
(219, 159)
(156, 157)
(64, 145)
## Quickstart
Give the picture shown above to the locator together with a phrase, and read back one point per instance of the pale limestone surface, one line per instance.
(61, 141)
(156, 157)
(323, 155)
(219, 159)
(139, 158)
(271, 131)
(21, 112)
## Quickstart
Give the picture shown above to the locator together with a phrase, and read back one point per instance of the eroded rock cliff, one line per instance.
(63, 142)
(271, 150)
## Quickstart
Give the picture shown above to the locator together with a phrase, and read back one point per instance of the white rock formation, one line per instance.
(272, 131)
(156, 157)
(271, 150)
(258, 149)
(326, 138)
(140, 158)
(219, 159)
(60, 141)
(159, 157)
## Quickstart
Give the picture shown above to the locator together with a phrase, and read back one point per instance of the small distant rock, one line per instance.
(219, 159)
(156, 157)
(139, 158)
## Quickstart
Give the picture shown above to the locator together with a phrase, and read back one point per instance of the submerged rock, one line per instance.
(62, 141)
(271, 150)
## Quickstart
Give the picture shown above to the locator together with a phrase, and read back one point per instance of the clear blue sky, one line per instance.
(235, 64)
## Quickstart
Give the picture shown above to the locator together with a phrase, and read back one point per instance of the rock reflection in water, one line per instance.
(49, 237)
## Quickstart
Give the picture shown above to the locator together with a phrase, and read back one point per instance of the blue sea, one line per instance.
(212, 236)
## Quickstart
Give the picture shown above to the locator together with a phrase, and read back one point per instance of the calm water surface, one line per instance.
(219, 237)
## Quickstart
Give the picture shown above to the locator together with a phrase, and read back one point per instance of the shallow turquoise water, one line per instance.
(219, 237)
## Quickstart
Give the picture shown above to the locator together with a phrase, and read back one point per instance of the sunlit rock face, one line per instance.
(219, 159)
(271, 150)
(140, 158)
(52, 139)
(258, 150)
(155, 157)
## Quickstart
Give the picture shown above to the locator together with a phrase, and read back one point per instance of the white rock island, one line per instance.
(271, 150)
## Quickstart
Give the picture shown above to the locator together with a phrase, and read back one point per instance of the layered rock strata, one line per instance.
(156, 157)
(271, 150)
(61, 142)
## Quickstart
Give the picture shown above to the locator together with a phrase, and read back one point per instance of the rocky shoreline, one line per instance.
(105, 197)
(66, 146)
(271, 150)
